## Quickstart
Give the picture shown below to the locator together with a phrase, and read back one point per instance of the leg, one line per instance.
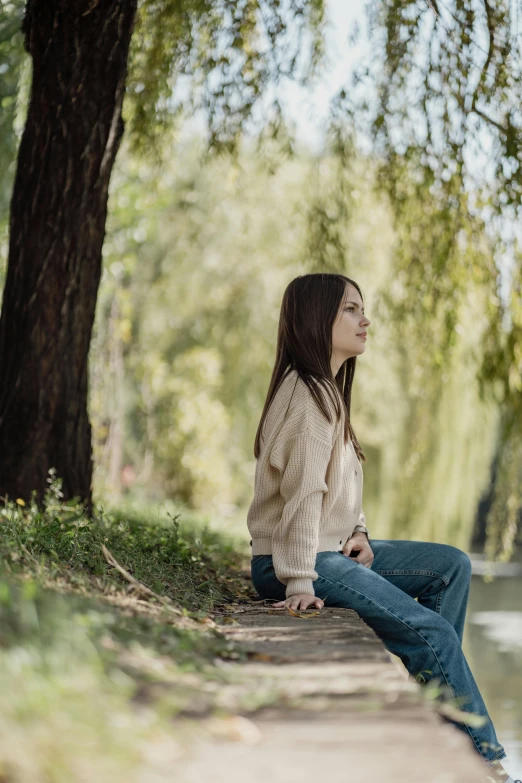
(425, 641)
(438, 575)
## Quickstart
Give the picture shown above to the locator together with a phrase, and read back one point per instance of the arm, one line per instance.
(303, 462)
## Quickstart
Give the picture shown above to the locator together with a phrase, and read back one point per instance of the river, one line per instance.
(493, 646)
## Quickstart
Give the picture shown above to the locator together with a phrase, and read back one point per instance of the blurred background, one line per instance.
(369, 166)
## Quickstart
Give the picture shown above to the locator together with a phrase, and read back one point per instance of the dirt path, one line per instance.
(342, 710)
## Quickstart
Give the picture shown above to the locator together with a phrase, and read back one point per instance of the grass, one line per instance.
(194, 567)
(106, 638)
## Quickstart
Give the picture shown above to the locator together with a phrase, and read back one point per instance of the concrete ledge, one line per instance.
(345, 711)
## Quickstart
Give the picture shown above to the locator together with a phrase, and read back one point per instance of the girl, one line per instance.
(310, 543)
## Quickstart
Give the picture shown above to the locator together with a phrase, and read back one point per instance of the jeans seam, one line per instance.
(438, 602)
(384, 609)
(415, 572)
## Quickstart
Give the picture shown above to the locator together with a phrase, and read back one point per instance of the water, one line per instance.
(493, 646)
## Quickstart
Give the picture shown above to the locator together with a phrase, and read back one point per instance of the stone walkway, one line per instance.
(345, 710)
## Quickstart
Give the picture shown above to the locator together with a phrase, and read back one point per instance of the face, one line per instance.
(348, 333)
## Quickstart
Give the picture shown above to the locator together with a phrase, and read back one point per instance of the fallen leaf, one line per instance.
(235, 728)
(207, 621)
(302, 614)
(260, 657)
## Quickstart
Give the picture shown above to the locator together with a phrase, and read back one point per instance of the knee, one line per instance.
(463, 562)
(460, 560)
(444, 632)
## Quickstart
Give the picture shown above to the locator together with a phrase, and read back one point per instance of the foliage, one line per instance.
(93, 672)
(176, 262)
(78, 680)
(58, 541)
(11, 63)
(504, 518)
(13, 86)
(222, 57)
(197, 258)
(440, 97)
(90, 684)
(66, 712)
(424, 78)
(449, 73)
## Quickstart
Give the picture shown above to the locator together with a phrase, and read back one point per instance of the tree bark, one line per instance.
(79, 50)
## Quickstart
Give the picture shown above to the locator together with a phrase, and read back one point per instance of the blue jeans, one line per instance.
(425, 634)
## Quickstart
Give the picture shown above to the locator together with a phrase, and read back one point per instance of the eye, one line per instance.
(349, 308)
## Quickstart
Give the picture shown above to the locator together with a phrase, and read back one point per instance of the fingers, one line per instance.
(296, 602)
(304, 603)
(365, 561)
(365, 557)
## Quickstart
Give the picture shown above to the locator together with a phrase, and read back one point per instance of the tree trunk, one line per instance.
(79, 50)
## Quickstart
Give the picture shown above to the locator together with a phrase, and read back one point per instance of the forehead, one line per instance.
(352, 294)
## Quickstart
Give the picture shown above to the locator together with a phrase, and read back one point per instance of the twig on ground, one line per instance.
(29, 555)
(138, 586)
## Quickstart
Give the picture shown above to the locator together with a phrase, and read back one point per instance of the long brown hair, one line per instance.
(304, 343)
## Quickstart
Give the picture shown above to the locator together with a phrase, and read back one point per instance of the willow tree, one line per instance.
(227, 52)
(440, 99)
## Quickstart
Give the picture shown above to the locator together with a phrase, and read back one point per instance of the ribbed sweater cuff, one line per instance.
(295, 586)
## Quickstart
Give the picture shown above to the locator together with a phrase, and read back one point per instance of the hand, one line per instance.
(300, 601)
(359, 543)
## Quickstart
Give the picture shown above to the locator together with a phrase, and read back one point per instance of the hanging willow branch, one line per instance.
(440, 98)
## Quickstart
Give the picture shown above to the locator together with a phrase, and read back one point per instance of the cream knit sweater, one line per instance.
(307, 487)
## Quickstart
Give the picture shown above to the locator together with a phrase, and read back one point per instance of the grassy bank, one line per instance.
(107, 637)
